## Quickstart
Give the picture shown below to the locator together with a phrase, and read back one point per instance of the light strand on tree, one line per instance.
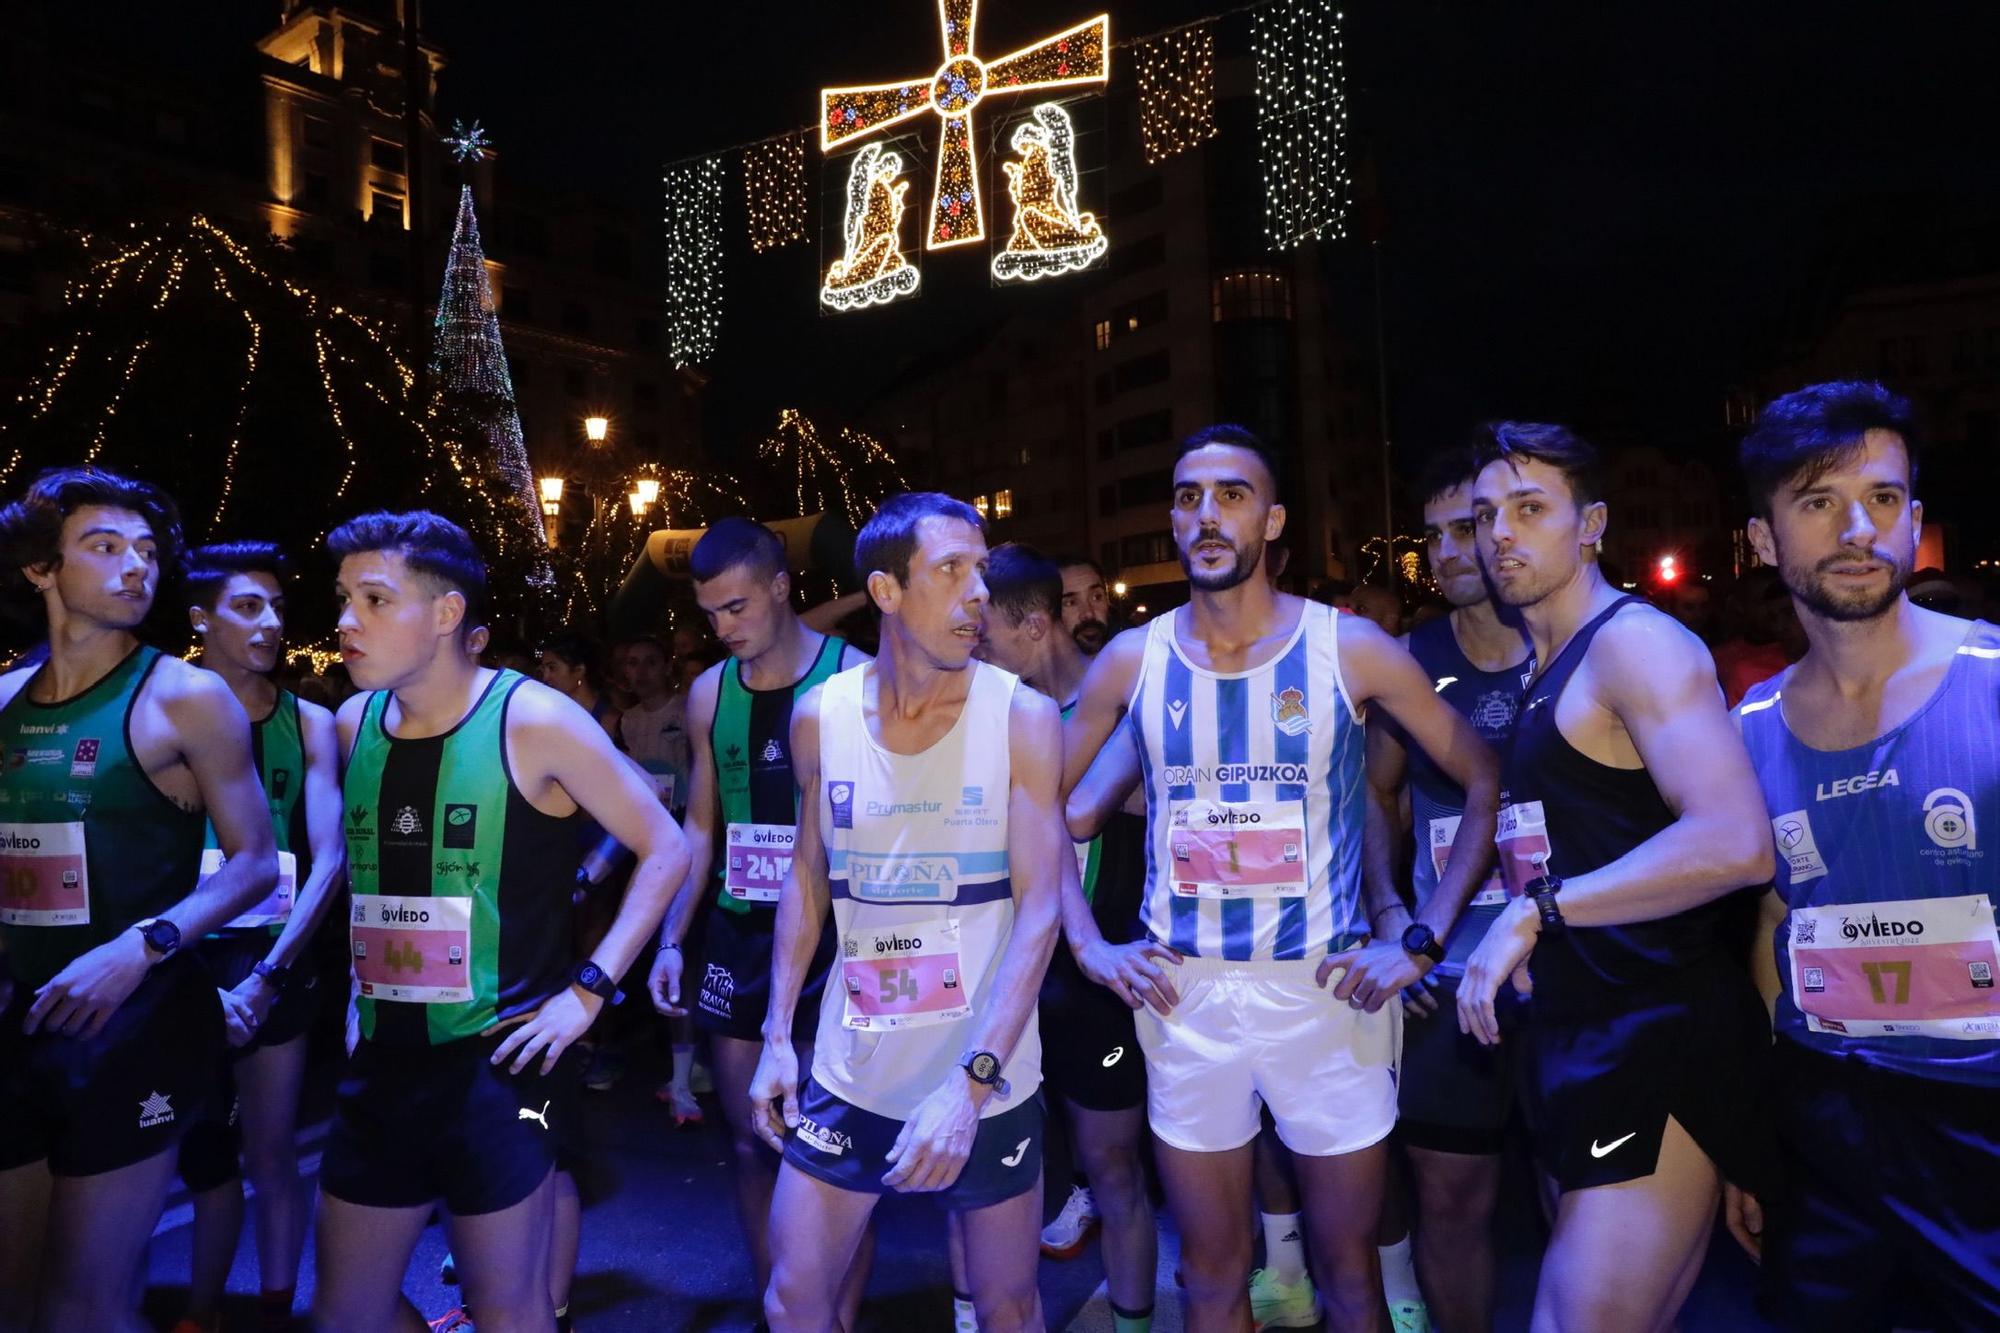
(774, 192)
(825, 481)
(1301, 120)
(1176, 91)
(243, 393)
(694, 260)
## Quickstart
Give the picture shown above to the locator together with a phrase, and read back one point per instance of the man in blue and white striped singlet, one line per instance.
(1247, 707)
(930, 829)
(1879, 756)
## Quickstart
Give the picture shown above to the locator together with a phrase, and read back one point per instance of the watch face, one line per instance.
(984, 1067)
(590, 974)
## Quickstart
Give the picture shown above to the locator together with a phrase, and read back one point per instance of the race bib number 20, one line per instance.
(1923, 968)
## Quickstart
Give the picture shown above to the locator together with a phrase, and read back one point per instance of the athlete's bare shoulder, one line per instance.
(1642, 652)
(189, 694)
(312, 714)
(538, 706)
(1033, 708)
(707, 688)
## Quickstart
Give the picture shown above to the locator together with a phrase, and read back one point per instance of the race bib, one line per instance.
(1923, 968)
(1247, 849)
(275, 909)
(44, 877)
(903, 978)
(1444, 832)
(412, 949)
(1522, 839)
(663, 787)
(759, 857)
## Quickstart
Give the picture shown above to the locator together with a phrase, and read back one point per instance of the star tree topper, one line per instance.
(467, 144)
(1079, 55)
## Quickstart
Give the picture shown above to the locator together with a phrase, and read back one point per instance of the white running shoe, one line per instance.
(1064, 1236)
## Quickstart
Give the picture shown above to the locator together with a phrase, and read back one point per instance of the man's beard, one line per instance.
(1248, 564)
(1091, 635)
(1808, 584)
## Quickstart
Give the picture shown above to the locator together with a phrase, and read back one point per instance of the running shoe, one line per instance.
(1273, 1304)
(686, 1110)
(607, 1066)
(455, 1321)
(1410, 1317)
(448, 1270)
(1066, 1233)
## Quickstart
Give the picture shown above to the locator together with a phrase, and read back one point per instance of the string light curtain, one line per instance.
(694, 260)
(774, 192)
(1301, 120)
(1176, 91)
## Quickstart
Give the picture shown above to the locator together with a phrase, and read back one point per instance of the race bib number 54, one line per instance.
(1924, 968)
(412, 949)
(907, 977)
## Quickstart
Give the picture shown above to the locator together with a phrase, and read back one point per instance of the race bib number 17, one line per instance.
(1923, 968)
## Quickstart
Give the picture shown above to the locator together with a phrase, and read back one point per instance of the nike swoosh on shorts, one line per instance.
(1607, 1149)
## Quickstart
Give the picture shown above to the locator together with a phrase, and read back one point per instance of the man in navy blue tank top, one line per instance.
(1454, 1094)
(1877, 950)
(1629, 812)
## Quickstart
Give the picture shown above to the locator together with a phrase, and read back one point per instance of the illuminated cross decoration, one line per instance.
(1080, 55)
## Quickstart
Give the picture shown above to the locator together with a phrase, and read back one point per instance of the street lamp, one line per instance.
(647, 489)
(638, 503)
(596, 429)
(552, 491)
(1119, 589)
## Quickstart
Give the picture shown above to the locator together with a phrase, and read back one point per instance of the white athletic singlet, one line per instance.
(916, 849)
(1254, 799)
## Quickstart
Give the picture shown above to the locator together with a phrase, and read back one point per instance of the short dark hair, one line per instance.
(1445, 471)
(646, 641)
(433, 546)
(737, 541)
(579, 650)
(888, 540)
(1020, 579)
(1064, 560)
(1558, 447)
(31, 527)
(1234, 436)
(1799, 438)
(211, 567)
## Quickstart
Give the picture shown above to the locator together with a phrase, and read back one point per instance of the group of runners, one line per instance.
(1302, 913)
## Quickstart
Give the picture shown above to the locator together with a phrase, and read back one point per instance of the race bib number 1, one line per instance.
(1247, 849)
(412, 949)
(759, 858)
(903, 978)
(1444, 833)
(44, 876)
(1523, 842)
(1924, 968)
(275, 909)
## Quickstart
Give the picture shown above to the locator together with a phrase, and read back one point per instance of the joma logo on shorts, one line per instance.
(1854, 786)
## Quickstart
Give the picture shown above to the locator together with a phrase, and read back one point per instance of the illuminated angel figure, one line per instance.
(1050, 235)
(873, 269)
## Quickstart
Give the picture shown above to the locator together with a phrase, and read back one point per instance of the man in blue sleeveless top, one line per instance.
(1877, 753)
(1630, 812)
(1454, 1095)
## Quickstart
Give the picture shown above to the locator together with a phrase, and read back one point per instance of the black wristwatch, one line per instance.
(597, 981)
(1543, 890)
(1419, 938)
(277, 974)
(163, 937)
(984, 1067)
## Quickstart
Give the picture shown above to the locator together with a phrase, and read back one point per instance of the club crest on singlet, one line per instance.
(1288, 711)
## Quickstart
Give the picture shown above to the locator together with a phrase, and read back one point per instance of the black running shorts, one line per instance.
(1453, 1094)
(1090, 1047)
(731, 978)
(1886, 1198)
(415, 1125)
(130, 1092)
(847, 1147)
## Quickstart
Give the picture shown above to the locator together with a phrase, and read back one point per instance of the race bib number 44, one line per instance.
(275, 909)
(412, 949)
(44, 877)
(1246, 849)
(902, 978)
(759, 858)
(1924, 968)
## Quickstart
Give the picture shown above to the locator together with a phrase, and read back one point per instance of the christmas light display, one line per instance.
(469, 362)
(467, 143)
(694, 259)
(850, 479)
(1301, 120)
(872, 268)
(774, 192)
(1076, 56)
(1176, 91)
(1051, 236)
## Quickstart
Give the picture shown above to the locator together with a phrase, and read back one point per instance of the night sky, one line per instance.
(1600, 212)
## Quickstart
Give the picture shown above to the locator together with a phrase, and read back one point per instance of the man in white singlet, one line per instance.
(929, 827)
(1247, 705)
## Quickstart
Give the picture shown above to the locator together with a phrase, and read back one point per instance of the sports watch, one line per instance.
(1419, 938)
(163, 937)
(597, 981)
(277, 974)
(983, 1067)
(1543, 890)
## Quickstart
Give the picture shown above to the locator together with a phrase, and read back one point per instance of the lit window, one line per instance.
(1103, 334)
(979, 503)
(1003, 504)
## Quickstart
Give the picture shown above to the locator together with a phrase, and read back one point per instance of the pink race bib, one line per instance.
(412, 949)
(1243, 849)
(907, 977)
(759, 858)
(44, 875)
(1924, 967)
(1522, 840)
